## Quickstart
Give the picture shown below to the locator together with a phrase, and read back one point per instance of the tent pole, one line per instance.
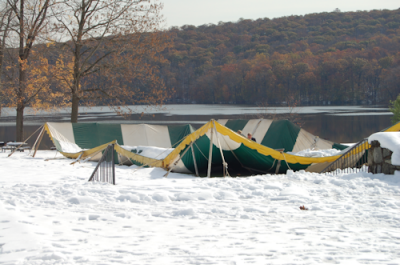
(224, 164)
(210, 154)
(34, 145)
(38, 141)
(79, 158)
(194, 160)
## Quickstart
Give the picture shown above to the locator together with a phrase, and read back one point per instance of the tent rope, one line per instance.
(285, 160)
(273, 164)
(37, 139)
(178, 142)
(233, 153)
(200, 151)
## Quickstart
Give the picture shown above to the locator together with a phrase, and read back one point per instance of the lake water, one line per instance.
(342, 124)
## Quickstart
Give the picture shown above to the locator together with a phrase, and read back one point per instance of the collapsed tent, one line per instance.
(87, 140)
(215, 144)
(197, 151)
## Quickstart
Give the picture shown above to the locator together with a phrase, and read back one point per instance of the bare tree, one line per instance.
(108, 48)
(30, 20)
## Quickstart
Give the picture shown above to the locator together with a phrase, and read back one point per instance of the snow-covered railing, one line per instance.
(353, 160)
(105, 169)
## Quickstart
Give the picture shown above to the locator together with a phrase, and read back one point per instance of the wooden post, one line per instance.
(210, 154)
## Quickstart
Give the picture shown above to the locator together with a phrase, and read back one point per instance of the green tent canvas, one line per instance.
(236, 151)
(191, 153)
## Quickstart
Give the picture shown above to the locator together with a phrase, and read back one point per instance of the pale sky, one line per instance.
(196, 12)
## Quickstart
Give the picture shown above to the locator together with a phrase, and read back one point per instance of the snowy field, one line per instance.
(50, 214)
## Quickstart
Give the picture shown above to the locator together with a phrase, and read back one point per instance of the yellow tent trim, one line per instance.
(190, 138)
(394, 128)
(88, 153)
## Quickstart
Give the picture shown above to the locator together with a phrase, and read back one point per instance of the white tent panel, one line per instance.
(262, 130)
(62, 131)
(306, 140)
(250, 127)
(257, 128)
(223, 121)
(223, 140)
(146, 135)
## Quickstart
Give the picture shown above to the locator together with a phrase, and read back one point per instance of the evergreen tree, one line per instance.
(395, 108)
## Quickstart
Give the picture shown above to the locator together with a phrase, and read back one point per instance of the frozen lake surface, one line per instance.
(101, 113)
(335, 123)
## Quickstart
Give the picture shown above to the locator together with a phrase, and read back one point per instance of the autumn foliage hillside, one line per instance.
(325, 58)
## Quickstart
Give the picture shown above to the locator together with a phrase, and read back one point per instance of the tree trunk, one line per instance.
(20, 123)
(75, 108)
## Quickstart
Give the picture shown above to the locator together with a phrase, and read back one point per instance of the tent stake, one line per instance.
(194, 160)
(210, 154)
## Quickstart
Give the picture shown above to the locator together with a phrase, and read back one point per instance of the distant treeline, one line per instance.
(325, 58)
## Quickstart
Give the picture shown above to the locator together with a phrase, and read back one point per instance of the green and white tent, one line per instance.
(234, 151)
(190, 149)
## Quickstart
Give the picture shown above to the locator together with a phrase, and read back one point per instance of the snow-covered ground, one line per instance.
(50, 214)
